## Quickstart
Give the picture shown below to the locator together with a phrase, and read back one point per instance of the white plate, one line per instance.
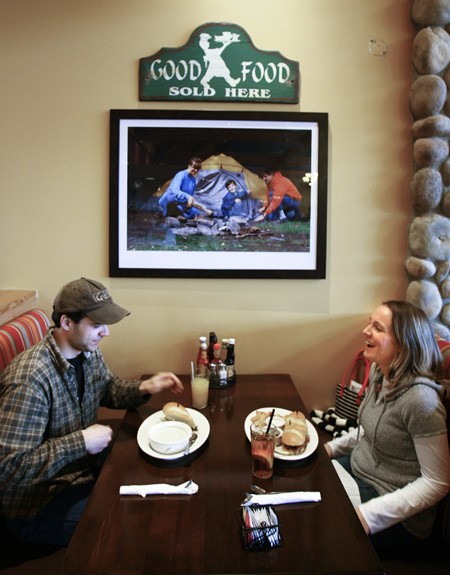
(280, 453)
(142, 434)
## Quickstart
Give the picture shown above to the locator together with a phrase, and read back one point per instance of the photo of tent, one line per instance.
(211, 179)
(224, 227)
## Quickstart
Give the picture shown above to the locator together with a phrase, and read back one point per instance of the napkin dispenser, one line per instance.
(259, 528)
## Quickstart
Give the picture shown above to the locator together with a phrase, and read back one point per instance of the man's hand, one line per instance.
(260, 218)
(161, 381)
(97, 437)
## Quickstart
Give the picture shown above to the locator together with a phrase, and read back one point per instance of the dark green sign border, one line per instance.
(219, 63)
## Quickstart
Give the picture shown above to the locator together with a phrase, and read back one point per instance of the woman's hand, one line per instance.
(328, 450)
(363, 521)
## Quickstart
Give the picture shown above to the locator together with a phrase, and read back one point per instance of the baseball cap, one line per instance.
(90, 297)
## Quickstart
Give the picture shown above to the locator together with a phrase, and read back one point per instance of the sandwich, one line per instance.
(295, 437)
(176, 412)
(294, 441)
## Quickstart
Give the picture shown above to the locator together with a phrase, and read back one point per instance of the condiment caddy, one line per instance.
(219, 359)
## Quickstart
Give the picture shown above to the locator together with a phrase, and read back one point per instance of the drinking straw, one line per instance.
(270, 420)
(192, 370)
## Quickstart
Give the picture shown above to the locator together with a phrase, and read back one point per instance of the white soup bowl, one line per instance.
(169, 437)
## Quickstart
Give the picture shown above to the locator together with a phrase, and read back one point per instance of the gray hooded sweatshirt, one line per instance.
(385, 457)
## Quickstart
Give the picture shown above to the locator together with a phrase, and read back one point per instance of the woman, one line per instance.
(399, 455)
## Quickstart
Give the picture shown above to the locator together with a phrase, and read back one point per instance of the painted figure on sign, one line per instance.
(216, 67)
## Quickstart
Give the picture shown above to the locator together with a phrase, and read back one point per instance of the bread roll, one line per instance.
(177, 412)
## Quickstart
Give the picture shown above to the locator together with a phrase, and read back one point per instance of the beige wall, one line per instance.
(64, 64)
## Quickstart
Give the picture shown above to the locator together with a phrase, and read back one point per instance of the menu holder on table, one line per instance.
(259, 528)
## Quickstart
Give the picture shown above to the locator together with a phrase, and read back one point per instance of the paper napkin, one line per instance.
(188, 488)
(281, 498)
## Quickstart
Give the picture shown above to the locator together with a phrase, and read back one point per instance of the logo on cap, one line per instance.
(101, 296)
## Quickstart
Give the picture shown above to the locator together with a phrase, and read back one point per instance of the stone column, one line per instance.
(428, 265)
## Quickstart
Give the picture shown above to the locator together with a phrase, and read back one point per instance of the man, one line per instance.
(282, 196)
(178, 199)
(51, 447)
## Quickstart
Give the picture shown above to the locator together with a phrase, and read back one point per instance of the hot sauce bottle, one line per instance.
(202, 359)
(201, 340)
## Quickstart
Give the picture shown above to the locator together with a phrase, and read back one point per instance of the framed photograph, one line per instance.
(218, 194)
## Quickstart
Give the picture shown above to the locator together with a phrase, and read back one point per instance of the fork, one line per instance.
(261, 491)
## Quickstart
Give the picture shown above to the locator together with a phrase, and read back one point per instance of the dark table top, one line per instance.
(200, 533)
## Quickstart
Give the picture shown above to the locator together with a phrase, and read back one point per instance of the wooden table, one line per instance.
(199, 533)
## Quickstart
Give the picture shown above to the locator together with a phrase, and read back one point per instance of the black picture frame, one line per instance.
(148, 147)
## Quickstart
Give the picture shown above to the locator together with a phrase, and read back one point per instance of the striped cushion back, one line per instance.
(444, 346)
(21, 333)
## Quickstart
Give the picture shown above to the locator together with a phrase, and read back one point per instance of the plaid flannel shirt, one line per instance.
(42, 449)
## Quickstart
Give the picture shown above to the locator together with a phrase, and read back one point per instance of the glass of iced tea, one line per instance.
(263, 445)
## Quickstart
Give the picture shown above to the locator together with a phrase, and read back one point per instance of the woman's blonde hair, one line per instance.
(419, 354)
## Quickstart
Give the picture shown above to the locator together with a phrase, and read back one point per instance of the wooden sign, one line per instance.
(219, 63)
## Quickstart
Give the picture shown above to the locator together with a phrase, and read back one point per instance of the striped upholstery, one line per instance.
(20, 333)
(444, 346)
